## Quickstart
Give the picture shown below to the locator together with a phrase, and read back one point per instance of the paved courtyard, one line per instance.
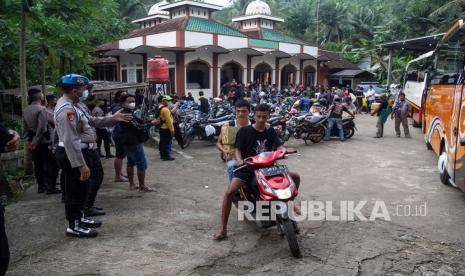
(169, 232)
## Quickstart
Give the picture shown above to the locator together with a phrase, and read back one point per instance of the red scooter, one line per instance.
(272, 184)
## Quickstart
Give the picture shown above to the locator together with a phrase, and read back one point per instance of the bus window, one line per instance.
(449, 61)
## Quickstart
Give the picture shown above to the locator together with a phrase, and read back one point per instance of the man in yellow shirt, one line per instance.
(166, 129)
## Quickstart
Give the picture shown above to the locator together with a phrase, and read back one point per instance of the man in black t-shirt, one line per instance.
(335, 118)
(250, 141)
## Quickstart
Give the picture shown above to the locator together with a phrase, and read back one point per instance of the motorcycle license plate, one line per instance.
(275, 170)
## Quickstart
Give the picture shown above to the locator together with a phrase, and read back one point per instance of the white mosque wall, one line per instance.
(129, 66)
(311, 50)
(270, 60)
(198, 39)
(179, 12)
(130, 43)
(289, 48)
(232, 42)
(199, 12)
(205, 56)
(131, 60)
(162, 40)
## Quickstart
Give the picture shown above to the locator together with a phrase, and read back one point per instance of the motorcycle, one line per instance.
(279, 122)
(272, 183)
(348, 125)
(308, 127)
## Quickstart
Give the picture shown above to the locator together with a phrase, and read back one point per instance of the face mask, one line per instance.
(84, 96)
(132, 105)
(170, 105)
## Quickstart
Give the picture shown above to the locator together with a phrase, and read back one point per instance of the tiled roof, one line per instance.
(104, 60)
(277, 36)
(273, 36)
(263, 43)
(336, 61)
(210, 26)
(107, 47)
(167, 26)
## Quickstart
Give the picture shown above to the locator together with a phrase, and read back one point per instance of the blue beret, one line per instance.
(75, 80)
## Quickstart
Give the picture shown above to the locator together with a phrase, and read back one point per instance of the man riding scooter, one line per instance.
(250, 141)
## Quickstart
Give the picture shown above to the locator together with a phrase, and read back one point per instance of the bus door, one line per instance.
(450, 64)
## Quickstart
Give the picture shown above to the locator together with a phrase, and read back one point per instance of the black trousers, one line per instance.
(76, 190)
(4, 248)
(178, 134)
(39, 159)
(165, 140)
(103, 135)
(96, 179)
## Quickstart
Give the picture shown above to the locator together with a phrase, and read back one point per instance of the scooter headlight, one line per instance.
(266, 186)
(284, 194)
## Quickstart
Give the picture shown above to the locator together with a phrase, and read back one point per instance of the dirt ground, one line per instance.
(169, 232)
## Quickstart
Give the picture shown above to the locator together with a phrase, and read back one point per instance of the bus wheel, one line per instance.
(442, 166)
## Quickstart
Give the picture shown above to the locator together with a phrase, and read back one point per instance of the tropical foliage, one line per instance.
(61, 34)
(355, 27)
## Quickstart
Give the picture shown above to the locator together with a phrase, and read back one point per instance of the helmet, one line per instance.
(323, 101)
(209, 130)
(262, 94)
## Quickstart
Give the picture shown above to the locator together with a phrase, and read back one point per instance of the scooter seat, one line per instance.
(316, 119)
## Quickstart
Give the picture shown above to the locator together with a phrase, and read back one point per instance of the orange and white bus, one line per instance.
(444, 114)
(415, 84)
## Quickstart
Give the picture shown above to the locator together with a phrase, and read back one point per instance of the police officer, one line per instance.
(52, 165)
(76, 151)
(96, 170)
(38, 140)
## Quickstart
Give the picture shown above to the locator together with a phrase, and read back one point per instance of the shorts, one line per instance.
(120, 150)
(245, 174)
(136, 157)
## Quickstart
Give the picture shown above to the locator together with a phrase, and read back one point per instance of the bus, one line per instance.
(444, 111)
(415, 83)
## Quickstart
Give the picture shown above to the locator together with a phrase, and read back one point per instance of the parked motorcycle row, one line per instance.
(305, 126)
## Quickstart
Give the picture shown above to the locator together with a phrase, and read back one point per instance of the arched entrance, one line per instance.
(263, 74)
(288, 75)
(198, 75)
(309, 76)
(231, 71)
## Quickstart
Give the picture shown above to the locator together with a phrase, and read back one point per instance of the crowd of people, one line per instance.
(67, 134)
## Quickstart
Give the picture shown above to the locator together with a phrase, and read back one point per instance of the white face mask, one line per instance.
(84, 96)
(132, 105)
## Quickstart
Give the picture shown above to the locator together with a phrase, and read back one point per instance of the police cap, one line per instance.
(74, 80)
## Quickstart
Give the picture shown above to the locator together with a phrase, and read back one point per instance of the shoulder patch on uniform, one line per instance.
(71, 116)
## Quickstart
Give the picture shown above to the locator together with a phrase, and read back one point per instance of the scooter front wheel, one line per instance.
(291, 235)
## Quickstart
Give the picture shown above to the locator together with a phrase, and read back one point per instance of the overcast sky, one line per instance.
(219, 2)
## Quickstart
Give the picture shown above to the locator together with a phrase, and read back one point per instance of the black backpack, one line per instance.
(158, 114)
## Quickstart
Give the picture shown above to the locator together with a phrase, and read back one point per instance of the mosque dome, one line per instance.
(258, 7)
(155, 9)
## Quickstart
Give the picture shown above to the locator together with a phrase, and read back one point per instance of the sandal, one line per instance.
(146, 189)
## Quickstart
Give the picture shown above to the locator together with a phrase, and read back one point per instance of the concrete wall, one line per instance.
(198, 39)
(289, 48)
(162, 40)
(232, 42)
(130, 43)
